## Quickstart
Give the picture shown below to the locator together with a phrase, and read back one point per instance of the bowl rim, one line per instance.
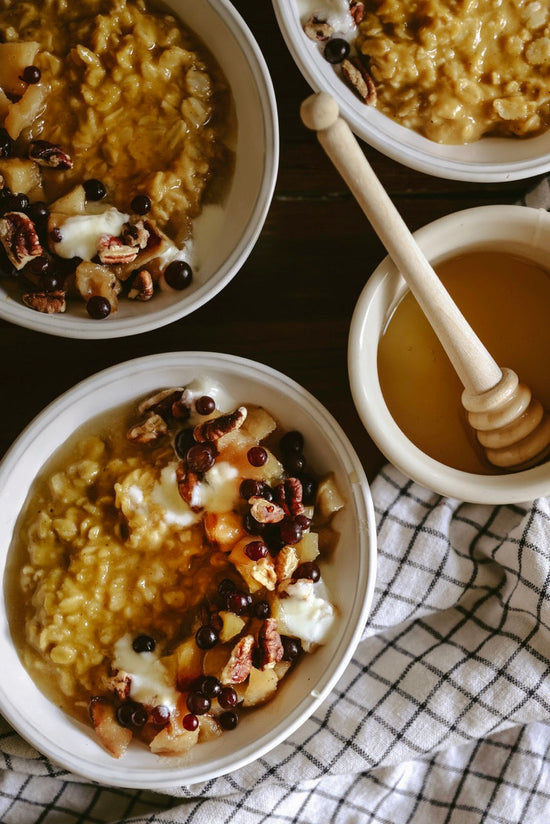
(385, 141)
(16, 313)
(85, 765)
(519, 487)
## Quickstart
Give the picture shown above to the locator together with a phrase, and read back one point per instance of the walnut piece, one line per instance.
(318, 29)
(142, 287)
(239, 665)
(270, 644)
(357, 11)
(149, 430)
(288, 495)
(19, 238)
(358, 78)
(216, 428)
(188, 486)
(49, 303)
(265, 512)
(48, 154)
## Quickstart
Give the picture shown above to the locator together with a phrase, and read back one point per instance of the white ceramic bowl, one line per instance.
(350, 573)
(488, 160)
(229, 39)
(519, 230)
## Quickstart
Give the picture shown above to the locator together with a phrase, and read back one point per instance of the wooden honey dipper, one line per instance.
(511, 426)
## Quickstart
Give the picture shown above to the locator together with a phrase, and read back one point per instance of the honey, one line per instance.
(506, 300)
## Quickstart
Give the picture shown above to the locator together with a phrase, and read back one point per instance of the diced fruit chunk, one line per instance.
(73, 203)
(329, 499)
(95, 279)
(232, 625)
(14, 59)
(262, 684)
(114, 738)
(21, 176)
(25, 111)
(259, 423)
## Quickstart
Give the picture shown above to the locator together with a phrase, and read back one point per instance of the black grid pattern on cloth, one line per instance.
(441, 717)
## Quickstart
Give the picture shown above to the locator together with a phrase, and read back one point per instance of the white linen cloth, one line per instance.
(442, 715)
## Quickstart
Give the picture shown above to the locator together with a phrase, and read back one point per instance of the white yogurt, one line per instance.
(80, 234)
(150, 682)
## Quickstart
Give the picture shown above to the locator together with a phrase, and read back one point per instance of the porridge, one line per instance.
(109, 108)
(166, 570)
(452, 70)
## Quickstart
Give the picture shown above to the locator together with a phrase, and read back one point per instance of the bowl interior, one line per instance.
(489, 159)
(350, 580)
(235, 225)
(518, 230)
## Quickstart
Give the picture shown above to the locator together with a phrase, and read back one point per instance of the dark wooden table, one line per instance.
(313, 257)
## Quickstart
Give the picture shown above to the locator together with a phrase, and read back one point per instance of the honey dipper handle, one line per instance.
(474, 365)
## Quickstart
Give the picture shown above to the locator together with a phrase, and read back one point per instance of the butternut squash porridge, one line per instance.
(165, 572)
(452, 70)
(116, 124)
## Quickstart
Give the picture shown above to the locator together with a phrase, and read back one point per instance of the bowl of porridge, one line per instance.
(176, 597)
(138, 157)
(459, 92)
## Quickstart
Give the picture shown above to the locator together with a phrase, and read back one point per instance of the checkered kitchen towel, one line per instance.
(442, 716)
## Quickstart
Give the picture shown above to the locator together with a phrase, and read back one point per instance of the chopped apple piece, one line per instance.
(188, 662)
(232, 625)
(209, 728)
(4, 104)
(114, 738)
(259, 423)
(174, 740)
(262, 684)
(21, 176)
(95, 279)
(24, 112)
(329, 499)
(14, 59)
(223, 529)
(308, 547)
(73, 203)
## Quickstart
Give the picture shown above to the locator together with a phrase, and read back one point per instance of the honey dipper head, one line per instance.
(319, 111)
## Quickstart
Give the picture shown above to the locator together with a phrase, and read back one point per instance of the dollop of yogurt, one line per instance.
(149, 679)
(335, 12)
(304, 609)
(80, 234)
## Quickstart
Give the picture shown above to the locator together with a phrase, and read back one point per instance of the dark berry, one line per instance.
(308, 569)
(294, 463)
(160, 715)
(291, 648)
(94, 189)
(205, 405)
(190, 722)
(198, 703)
(31, 75)
(291, 532)
(98, 307)
(226, 586)
(140, 717)
(37, 267)
(56, 235)
(38, 212)
(255, 550)
(262, 609)
(303, 521)
(183, 442)
(229, 720)
(15, 203)
(178, 274)
(143, 643)
(250, 488)
(251, 525)
(257, 456)
(237, 602)
(211, 686)
(201, 457)
(309, 490)
(124, 714)
(141, 204)
(6, 144)
(227, 698)
(272, 537)
(336, 50)
(292, 442)
(266, 492)
(206, 637)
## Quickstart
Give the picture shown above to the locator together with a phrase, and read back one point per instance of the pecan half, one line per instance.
(239, 665)
(264, 511)
(50, 303)
(357, 11)
(270, 645)
(358, 78)
(112, 250)
(19, 238)
(142, 287)
(174, 402)
(188, 486)
(149, 430)
(288, 494)
(318, 29)
(48, 154)
(215, 428)
(135, 234)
